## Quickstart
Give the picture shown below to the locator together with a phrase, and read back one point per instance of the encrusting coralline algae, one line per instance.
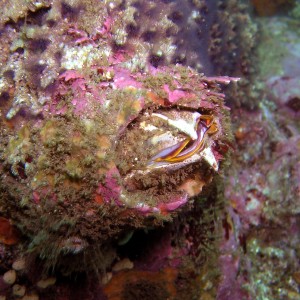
(101, 141)
(115, 138)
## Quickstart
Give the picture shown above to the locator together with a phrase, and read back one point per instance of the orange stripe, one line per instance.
(175, 152)
(189, 154)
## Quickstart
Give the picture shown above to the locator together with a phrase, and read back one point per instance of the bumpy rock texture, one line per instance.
(86, 159)
(111, 154)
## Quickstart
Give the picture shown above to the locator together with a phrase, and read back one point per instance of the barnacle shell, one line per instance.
(96, 156)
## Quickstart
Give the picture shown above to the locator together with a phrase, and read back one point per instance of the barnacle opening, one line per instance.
(167, 152)
(165, 135)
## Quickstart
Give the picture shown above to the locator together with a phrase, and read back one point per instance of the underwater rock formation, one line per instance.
(111, 154)
(261, 248)
(49, 37)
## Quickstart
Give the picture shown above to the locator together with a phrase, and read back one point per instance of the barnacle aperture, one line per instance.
(188, 147)
(161, 152)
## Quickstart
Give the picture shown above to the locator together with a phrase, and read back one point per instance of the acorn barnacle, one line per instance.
(113, 157)
(169, 151)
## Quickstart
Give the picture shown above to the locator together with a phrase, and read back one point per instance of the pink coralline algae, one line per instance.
(111, 148)
(286, 93)
(116, 146)
(260, 229)
(111, 190)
